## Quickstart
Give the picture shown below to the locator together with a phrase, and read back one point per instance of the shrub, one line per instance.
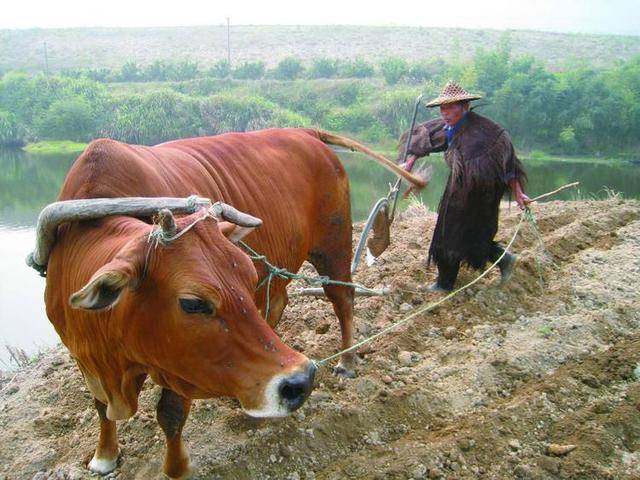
(347, 93)
(420, 72)
(394, 110)
(69, 119)
(12, 132)
(249, 70)
(324, 68)
(154, 117)
(185, 70)
(288, 69)
(130, 72)
(300, 96)
(348, 119)
(220, 69)
(158, 71)
(357, 68)
(393, 69)
(231, 113)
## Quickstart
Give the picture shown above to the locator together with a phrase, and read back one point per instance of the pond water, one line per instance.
(29, 182)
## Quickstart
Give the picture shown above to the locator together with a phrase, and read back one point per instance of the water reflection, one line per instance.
(29, 182)
(368, 183)
(23, 322)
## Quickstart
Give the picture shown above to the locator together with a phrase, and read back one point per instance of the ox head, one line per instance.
(181, 302)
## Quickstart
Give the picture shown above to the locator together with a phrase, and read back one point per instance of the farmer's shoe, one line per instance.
(506, 267)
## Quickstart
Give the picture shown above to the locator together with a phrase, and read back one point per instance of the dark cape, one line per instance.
(482, 162)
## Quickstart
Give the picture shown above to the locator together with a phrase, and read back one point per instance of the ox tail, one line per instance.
(333, 139)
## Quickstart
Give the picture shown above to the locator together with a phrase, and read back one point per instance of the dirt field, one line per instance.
(475, 389)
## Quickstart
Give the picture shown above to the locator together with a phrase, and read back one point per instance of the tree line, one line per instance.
(577, 111)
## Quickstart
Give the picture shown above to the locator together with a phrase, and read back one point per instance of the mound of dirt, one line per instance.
(478, 388)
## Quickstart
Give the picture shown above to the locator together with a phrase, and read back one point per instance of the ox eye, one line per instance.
(196, 305)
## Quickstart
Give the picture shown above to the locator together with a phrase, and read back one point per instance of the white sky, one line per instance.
(588, 16)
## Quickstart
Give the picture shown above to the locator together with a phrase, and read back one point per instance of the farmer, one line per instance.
(483, 165)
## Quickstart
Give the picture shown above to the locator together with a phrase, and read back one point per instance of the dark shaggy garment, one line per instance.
(482, 162)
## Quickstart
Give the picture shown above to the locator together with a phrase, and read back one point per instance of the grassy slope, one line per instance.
(110, 47)
(55, 147)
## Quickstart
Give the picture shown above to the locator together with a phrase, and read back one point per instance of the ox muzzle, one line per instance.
(286, 393)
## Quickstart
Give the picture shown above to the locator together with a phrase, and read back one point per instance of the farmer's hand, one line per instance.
(408, 165)
(426, 174)
(522, 200)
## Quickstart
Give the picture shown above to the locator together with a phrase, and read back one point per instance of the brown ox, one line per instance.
(186, 312)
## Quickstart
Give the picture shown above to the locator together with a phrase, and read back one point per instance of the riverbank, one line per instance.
(478, 388)
(55, 147)
(62, 147)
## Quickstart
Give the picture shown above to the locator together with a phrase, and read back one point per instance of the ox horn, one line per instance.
(55, 214)
(233, 215)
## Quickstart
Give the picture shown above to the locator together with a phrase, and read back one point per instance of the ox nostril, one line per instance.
(291, 391)
(295, 389)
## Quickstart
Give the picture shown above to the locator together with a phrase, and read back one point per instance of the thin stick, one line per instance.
(557, 190)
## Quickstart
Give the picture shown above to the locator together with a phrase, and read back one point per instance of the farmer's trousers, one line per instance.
(448, 269)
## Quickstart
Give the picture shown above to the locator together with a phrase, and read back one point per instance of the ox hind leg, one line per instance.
(172, 412)
(105, 459)
(334, 262)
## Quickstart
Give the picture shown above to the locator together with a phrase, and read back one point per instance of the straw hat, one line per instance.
(451, 93)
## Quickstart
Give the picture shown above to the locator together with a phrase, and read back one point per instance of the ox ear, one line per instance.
(105, 287)
(234, 232)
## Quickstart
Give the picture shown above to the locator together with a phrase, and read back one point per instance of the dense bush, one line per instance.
(580, 110)
(347, 93)
(154, 117)
(394, 110)
(12, 132)
(249, 71)
(324, 68)
(70, 119)
(231, 113)
(423, 71)
(220, 69)
(130, 72)
(358, 68)
(349, 119)
(288, 69)
(393, 69)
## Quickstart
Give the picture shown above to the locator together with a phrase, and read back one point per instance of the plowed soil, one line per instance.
(477, 388)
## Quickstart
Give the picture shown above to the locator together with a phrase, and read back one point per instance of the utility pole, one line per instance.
(229, 40)
(46, 60)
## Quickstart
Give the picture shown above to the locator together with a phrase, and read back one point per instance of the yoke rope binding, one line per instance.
(283, 273)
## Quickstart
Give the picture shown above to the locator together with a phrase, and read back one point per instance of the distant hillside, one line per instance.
(111, 47)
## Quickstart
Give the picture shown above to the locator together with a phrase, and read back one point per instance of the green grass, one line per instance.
(538, 156)
(55, 147)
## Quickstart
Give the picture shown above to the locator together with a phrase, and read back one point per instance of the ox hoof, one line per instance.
(184, 475)
(344, 371)
(102, 465)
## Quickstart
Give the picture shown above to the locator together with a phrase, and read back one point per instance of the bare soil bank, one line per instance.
(475, 389)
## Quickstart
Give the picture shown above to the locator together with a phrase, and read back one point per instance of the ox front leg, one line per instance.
(172, 413)
(105, 459)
